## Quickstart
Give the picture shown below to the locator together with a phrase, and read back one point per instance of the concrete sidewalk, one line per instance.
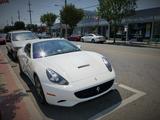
(15, 103)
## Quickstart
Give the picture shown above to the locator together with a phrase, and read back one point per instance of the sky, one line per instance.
(40, 7)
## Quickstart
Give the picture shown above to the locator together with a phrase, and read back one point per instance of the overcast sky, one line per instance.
(40, 7)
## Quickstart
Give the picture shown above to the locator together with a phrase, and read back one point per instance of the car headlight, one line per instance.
(107, 63)
(55, 77)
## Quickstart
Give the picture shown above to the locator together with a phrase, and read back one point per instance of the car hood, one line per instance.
(75, 66)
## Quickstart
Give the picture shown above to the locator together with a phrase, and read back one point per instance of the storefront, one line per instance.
(144, 25)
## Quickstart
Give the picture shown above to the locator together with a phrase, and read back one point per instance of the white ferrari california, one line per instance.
(63, 74)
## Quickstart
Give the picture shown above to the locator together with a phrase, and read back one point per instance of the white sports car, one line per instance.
(63, 74)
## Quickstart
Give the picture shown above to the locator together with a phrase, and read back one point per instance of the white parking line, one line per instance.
(117, 106)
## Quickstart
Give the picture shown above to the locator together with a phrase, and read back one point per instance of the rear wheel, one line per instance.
(39, 91)
(82, 40)
(93, 41)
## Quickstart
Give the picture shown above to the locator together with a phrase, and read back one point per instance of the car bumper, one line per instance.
(66, 95)
(100, 40)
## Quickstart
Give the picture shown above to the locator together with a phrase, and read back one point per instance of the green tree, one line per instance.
(48, 19)
(32, 27)
(8, 29)
(71, 15)
(115, 10)
(19, 25)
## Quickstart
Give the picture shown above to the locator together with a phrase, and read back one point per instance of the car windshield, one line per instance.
(52, 47)
(24, 36)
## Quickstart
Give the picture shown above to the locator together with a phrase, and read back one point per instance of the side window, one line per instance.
(27, 50)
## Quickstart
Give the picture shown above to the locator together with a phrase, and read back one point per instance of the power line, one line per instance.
(30, 11)
(11, 20)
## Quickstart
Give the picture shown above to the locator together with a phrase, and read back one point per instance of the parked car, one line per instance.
(93, 38)
(74, 37)
(43, 35)
(81, 77)
(2, 39)
(17, 39)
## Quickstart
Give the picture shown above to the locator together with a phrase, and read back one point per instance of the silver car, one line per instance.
(93, 38)
(18, 39)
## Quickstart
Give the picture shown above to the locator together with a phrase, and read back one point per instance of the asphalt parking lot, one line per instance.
(137, 82)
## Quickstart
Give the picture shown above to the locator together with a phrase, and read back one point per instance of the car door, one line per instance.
(87, 38)
(28, 61)
(90, 37)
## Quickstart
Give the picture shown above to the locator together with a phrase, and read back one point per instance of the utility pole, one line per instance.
(11, 20)
(7, 23)
(152, 30)
(19, 18)
(65, 3)
(30, 11)
(66, 31)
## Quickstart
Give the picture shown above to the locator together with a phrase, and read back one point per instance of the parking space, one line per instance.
(137, 85)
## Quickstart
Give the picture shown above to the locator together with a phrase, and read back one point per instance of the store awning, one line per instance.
(147, 15)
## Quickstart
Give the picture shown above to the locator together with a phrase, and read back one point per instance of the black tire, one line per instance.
(8, 51)
(102, 42)
(14, 56)
(39, 90)
(82, 40)
(20, 68)
(93, 41)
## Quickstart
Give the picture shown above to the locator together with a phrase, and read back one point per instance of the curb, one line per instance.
(34, 114)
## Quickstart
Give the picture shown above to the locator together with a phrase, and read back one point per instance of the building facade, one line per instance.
(144, 25)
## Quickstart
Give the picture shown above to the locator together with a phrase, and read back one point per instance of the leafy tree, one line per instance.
(115, 10)
(8, 29)
(48, 19)
(19, 25)
(71, 15)
(32, 27)
(1, 31)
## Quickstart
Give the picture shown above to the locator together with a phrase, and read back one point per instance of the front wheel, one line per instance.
(39, 91)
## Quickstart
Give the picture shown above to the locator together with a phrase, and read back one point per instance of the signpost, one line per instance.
(126, 30)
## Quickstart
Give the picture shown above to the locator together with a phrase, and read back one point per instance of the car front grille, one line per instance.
(90, 92)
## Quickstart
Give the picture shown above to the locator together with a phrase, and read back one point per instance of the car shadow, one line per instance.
(85, 110)
(11, 58)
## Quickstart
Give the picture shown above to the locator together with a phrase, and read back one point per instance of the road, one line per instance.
(137, 82)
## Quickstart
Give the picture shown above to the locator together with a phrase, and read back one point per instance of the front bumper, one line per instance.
(70, 95)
